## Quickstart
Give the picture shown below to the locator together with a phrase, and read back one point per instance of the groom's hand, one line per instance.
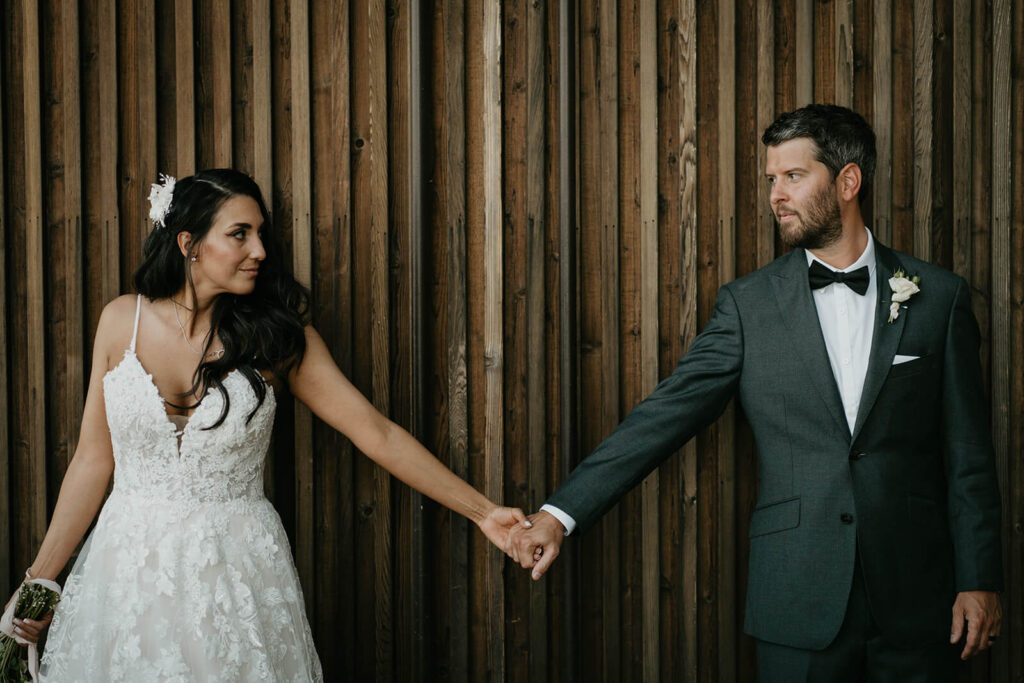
(538, 546)
(983, 614)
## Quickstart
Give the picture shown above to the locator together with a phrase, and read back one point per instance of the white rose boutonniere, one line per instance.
(902, 289)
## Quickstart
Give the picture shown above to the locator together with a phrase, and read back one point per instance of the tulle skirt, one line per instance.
(179, 591)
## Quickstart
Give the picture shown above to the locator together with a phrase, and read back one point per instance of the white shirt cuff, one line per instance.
(568, 522)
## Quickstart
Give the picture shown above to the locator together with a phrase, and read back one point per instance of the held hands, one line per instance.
(981, 611)
(536, 543)
(498, 524)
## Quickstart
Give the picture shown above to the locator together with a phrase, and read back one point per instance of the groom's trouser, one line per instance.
(858, 653)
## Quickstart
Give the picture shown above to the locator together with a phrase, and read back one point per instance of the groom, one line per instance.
(876, 532)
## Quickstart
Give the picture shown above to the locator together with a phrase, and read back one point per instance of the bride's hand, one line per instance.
(30, 629)
(498, 523)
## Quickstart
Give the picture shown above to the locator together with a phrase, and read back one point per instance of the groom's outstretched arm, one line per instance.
(692, 397)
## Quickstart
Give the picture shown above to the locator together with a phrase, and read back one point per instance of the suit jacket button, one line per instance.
(857, 455)
(846, 518)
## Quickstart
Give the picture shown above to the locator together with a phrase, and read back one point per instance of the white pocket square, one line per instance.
(903, 359)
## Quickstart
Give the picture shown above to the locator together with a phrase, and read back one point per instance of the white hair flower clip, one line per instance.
(160, 199)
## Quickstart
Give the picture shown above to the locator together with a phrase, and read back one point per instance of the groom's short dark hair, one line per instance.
(841, 136)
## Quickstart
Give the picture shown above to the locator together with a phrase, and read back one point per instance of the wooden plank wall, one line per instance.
(514, 218)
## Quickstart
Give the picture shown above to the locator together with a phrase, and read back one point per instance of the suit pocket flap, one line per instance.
(773, 517)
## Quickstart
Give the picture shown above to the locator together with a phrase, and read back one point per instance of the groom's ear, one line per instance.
(848, 182)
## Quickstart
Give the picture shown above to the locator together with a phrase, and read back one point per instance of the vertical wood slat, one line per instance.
(688, 321)
(405, 140)
(109, 214)
(136, 109)
(261, 92)
(923, 53)
(221, 68)
(607, 93)
(844, 52)
(146, 89)
(332, 314)
(766, 108)
(184, 92)
(536, 350)
(493, 319)
(962, 137)
(882, 104)
(568, 322)
(377, 143)
(301, 265)
(6, 394)
(455, 431)
(517, 293)
(1013, 608)
(35, 506)
(72, 212)
(727, 635)
(804, 52)
(1001, 271)
(592, 342)
(648, 169)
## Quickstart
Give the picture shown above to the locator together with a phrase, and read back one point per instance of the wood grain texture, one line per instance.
(535, 230)
(1013, 606)
(766, 113)
(33, 513)
(405, 328)
(1002, 370)
(843, 42)
(923, 122)
(882, 120)
(6, 459)
(688, 324)
(566, 592)
(648, 370)
(804, 39)
(493, 323)
(108, 152)
(184, 91)
(962, 136)
(261, 95)
(726, 259)
(301, 234)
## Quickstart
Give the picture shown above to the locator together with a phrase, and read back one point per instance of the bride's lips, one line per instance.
(251, 271)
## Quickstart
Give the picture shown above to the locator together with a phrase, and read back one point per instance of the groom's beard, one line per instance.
(818, 226)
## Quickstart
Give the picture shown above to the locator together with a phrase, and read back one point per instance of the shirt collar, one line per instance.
(867, 258)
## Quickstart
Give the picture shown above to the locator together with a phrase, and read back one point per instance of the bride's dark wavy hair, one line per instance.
(263, 330)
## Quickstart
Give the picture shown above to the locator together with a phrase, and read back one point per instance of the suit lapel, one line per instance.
(886, 337)
(796, 306)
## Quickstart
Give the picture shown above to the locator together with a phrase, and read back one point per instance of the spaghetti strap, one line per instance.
(135, 332)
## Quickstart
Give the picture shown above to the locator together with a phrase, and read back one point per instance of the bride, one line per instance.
(187, 575)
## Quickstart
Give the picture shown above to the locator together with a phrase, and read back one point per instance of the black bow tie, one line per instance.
(819, 276)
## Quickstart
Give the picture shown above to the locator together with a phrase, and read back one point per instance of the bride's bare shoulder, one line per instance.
(114, 330)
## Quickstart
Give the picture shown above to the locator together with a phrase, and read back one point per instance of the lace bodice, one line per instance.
(212, 465)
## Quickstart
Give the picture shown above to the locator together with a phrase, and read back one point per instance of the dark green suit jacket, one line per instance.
(913, 488)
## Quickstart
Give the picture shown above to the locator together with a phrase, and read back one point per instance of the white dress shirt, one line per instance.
(847, 324)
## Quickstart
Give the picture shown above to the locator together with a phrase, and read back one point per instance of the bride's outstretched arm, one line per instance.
(319, 384)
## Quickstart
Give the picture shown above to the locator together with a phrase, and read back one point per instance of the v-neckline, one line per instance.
(161, 401)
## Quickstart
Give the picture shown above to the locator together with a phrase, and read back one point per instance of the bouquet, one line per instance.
(34, 600)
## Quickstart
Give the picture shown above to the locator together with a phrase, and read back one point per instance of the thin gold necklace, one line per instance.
(212, 354)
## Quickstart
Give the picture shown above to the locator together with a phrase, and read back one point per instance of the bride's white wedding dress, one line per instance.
(187, 575)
